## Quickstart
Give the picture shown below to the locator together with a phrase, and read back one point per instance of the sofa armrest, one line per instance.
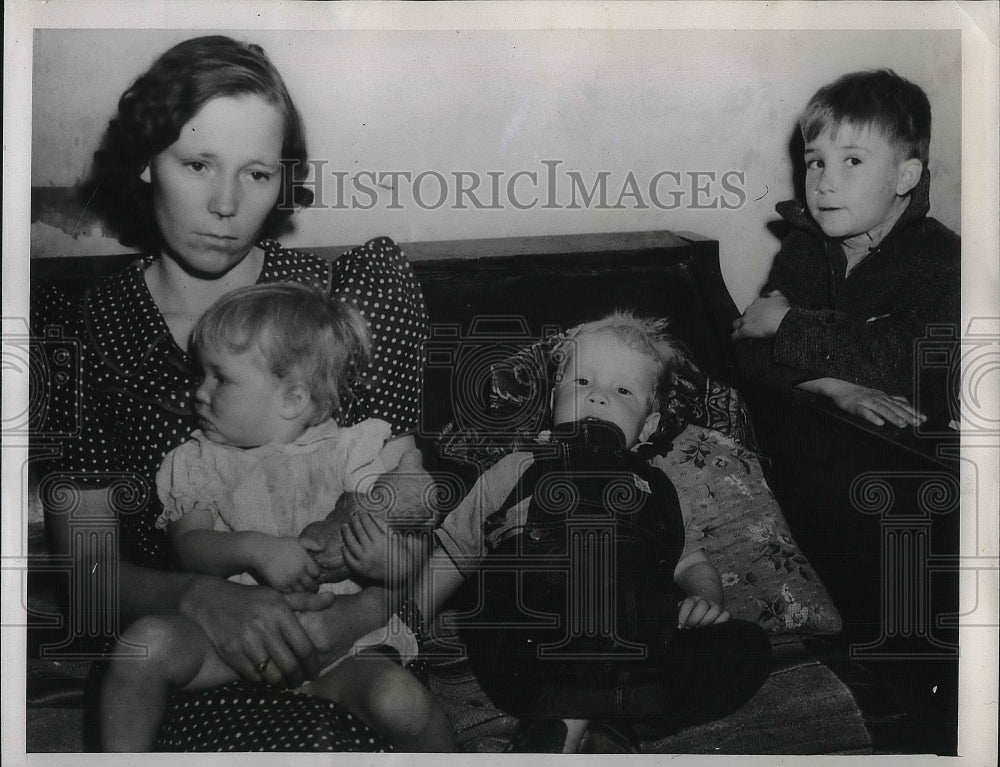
(876, 509)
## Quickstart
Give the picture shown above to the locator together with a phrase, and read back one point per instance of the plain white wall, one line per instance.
(641, 101)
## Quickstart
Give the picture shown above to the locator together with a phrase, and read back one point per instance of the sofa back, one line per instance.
(489, 297)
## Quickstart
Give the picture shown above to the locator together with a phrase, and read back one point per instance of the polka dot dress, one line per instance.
(255, 717)
(129, 403)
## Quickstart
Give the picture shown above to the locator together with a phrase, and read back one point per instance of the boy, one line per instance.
(578, 547)
(862, 275)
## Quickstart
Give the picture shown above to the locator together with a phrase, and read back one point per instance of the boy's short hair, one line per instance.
(875, 98)
(298, 331)
(648, 337)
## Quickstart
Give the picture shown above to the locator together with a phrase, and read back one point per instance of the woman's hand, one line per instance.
(350, 617)
(698, 611)
(762, 317)
(873, 405)
(285, 564)
(249, 625)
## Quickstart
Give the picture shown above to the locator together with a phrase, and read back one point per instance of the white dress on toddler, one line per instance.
(277, 489)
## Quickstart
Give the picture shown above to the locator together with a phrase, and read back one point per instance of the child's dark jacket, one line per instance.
(864, 327)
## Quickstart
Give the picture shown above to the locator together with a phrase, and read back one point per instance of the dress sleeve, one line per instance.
(71, 426)
(360, 446)
(376, 279)
(186, 481)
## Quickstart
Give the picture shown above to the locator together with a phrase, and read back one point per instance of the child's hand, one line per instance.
(366, 547)
(696, 611)
(762, 317)
(323, 540)
(285, 565)
(873, 405)
(878, 407)
(369, 547)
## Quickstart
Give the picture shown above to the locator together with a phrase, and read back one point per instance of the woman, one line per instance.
(199, 168)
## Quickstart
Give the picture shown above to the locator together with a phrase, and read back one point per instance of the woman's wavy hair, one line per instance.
(159, 103)
(299, 333)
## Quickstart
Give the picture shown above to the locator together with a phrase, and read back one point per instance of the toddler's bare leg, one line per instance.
(390, 700)
(134, 690)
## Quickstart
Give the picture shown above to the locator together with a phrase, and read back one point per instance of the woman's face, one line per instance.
(216, 184)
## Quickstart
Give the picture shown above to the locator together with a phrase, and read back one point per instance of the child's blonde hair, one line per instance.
(298, 331)
(646, 336)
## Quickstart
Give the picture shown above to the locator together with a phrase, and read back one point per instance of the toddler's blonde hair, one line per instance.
(298, 331)
(646, 336)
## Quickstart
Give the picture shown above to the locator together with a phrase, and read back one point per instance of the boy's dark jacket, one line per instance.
(863, 328)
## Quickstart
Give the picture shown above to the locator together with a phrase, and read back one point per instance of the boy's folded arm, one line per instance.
(876, 352)
(875, 347)
(755, 360)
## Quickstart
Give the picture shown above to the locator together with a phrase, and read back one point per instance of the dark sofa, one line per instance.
(488, 298)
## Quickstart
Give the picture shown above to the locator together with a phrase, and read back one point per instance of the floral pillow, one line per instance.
(731, 514)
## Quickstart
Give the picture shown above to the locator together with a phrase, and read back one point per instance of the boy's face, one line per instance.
(856, 180)
(607, 379)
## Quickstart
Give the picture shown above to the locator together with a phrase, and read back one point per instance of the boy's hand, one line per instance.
(285, 565)
(878, 407)
(762, 317)
(697, 611)
(873, 405)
